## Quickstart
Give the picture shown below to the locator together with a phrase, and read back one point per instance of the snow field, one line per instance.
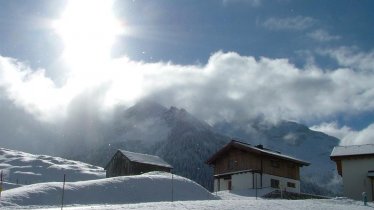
(261, 204)
(150, 187)
(24, 168)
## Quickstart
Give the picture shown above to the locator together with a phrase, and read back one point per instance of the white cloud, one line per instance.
(351, 57)
(289, 23)
(322, 36)
(347, 135)
(229, 86)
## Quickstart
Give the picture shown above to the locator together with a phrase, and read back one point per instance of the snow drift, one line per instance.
(149, 187)
(24, 168)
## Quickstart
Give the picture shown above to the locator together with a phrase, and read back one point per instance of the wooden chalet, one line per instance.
(130, 163)
(240, 165)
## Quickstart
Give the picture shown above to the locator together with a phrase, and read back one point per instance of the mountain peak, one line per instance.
(145, 108)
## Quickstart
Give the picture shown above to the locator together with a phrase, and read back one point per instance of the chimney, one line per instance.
(260, 146)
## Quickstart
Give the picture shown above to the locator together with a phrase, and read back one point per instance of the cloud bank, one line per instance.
(347, 135)
(229, 87)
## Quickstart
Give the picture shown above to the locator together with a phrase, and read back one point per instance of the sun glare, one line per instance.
(88, 29)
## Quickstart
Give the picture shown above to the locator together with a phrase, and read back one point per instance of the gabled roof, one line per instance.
(144, 158)
(353, 150)
(253, 149)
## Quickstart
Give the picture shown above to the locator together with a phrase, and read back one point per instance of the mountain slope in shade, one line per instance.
(173, 134)
(25, 168)
(299, 141)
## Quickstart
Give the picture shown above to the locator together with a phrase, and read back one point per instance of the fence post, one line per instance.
(63, 192)
(172, 187)
(1, 183)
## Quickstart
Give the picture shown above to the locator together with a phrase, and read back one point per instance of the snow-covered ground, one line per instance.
(153, 190)
(23, 168)
(149, 187)
(261, 204)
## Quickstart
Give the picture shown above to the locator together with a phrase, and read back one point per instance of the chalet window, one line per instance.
(275, 164)
(291, 185)
(274, 183)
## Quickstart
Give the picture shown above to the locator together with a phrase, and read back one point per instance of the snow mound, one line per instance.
(150, 187)
(243, 194)
(24, 168)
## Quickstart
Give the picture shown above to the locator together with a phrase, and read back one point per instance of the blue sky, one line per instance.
(308, 61)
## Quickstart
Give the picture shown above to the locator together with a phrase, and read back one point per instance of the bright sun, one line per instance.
(88, 29)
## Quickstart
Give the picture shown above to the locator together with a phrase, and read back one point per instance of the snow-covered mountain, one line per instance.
(21, 168)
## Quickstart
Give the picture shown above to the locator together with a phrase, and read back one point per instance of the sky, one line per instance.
(64, 64)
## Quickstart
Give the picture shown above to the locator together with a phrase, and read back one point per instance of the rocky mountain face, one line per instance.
(186, 143)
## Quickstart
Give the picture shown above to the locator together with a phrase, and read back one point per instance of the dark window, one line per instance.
(275, 164)
(291, 184)
(274, 183)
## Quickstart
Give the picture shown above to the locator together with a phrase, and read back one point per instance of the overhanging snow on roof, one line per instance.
(145, 158)
(353, 150)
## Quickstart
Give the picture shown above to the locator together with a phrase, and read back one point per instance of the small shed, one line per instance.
(125, 163)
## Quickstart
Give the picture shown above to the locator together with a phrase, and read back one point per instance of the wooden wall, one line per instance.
(122, 166)
(237, 160)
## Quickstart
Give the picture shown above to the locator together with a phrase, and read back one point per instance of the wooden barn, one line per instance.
(240, 165)
(130, 163)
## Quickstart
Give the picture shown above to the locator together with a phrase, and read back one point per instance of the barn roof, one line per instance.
(259, 149)
(145, 158)
(353, 150)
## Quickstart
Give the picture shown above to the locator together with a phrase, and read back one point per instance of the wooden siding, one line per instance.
(122, 166)
(237, 160)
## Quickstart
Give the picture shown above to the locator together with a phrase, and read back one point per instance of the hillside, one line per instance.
(25, 168)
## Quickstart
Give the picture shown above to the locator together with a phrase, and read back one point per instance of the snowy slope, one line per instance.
(24, 168)
(149, 187)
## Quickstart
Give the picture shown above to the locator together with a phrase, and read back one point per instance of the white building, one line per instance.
(356, 165)
(243, 166)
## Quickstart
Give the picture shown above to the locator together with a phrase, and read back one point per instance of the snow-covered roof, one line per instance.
(145, 158)
(275, 154)
(353, 150)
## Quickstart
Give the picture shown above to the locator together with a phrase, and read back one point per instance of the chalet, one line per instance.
(356, 166)
(130, 163)
(240, 165)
